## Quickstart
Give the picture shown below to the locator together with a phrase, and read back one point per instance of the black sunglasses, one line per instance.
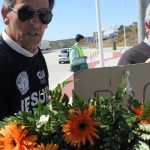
(26, 13)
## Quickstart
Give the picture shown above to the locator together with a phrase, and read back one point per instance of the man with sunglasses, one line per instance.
(23, 70)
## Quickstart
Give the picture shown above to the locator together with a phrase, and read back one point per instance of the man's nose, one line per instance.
(35, 19)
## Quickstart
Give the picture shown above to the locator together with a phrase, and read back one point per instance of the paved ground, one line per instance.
(60, 72)
(108, 62)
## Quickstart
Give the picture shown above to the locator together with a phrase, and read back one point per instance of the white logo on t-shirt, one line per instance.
(22, 82)
(41, 74)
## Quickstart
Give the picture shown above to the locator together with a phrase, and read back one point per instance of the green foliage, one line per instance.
(119, 129)
(131, 35)
(142, 132)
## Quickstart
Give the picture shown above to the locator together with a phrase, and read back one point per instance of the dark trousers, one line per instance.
(78, 67)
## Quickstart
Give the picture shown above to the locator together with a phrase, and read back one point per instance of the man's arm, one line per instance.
(5, 89)
(3, 106)
(126, 58)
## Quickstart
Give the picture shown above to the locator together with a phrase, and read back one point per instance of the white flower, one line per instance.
(43, 120)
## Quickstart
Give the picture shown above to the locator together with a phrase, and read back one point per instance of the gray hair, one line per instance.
(9, 3)
(147, 13)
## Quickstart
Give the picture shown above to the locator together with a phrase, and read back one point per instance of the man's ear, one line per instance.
(4, 13)
(147, 25)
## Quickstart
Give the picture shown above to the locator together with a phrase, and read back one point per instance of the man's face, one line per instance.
(29, 33)
(82, 41)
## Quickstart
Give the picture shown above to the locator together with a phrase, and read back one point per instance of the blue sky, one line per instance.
(79, 16)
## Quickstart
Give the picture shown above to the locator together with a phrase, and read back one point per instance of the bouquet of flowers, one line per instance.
(100, 123)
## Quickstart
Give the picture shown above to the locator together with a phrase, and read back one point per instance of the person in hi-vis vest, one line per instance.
(76, 55)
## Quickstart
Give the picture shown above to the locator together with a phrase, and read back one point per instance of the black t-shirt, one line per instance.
(137, 54)
(23, 81)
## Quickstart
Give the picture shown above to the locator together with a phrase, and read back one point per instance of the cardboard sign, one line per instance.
(103, 81)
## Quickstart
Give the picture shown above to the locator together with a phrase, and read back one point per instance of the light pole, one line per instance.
(124, 27)
(141, 7)
(100, 43)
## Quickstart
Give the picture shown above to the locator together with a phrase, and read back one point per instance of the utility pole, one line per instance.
(141, 7)
(100, 42)
(124, 26)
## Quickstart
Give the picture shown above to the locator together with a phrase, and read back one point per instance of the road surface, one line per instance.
(60, 72)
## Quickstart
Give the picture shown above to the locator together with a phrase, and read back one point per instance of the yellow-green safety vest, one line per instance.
(79, 51)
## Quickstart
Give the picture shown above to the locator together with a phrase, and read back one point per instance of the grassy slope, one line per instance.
(131, 37)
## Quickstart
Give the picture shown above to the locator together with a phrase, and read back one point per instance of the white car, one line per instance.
(64, 55)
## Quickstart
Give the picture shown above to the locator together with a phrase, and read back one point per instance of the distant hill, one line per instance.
(131, 39)
(131, 36)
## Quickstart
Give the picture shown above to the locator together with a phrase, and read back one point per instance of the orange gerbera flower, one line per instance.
(147, 121)
(13, 137)
(47, 147)
(80, 127)
(138, 111)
